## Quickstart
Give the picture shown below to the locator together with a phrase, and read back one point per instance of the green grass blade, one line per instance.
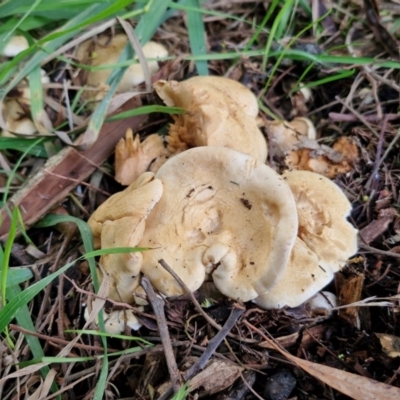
(182, 393)
(265, 20)
(272, 34)
(16, 275)
(35, 148)
(197, 36)
(122, 337)
(29, 11)
(14, 305)
(51, 43)
(37, 111)
(24, 320)
(340, 75)
(6, 255)
(146, 110)
(16, 166)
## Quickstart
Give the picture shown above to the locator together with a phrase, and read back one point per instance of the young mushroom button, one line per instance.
(221, 213)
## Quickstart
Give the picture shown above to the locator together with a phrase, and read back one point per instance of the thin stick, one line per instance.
(198, 306)
(214, 343)
(209, 351)
(158, 308)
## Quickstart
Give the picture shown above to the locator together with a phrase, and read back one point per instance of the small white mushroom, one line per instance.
(214, 117)
(324, 243)
(16, 119)
(16, 111)
(116, 321)
(16, 44)
(322, 304)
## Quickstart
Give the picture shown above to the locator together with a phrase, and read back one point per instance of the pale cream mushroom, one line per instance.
(106, 50)
(214, 116)
(121, 222)
(237, 92)
(116, 321)
(222, 213)
(16, 111)
(17, 119)
(133, 158)
(322, 304)
(325, 240)
(15, 45)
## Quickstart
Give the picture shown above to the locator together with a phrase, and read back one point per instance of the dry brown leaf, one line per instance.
(352, 385)
(42, 391)
(390, 344)
(217, 376)
(330, 162)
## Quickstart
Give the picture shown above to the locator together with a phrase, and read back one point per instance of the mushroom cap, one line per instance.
(106, 51)
(323, 209)
(222, 213)
(16, 120)
(120, 222)
(213, 117)
(325, 240)
(15, 45)
(239, 93)
(303, 277)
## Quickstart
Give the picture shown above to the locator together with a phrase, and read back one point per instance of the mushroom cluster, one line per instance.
(219, 112)
(215, 210)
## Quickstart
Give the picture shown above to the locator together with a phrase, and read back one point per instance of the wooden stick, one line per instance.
(158, 307)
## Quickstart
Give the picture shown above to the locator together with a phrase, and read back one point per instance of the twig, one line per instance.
(250, 387)
(377, 251)
(378, 159)
(198, 306)
(214, 343)
(337, 117)
(212, 346)
(158, 308)
(359, 116)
